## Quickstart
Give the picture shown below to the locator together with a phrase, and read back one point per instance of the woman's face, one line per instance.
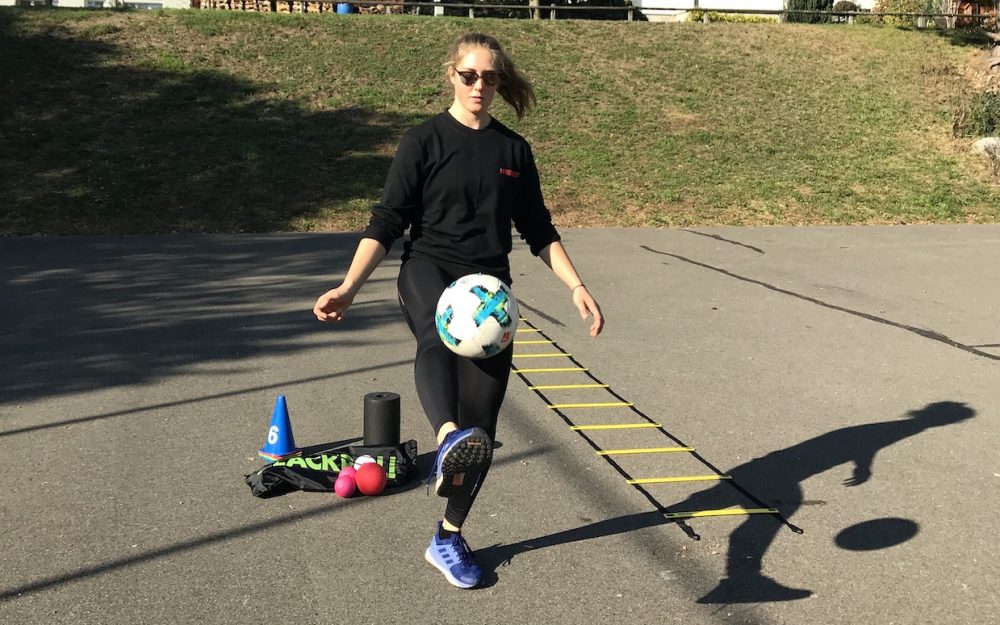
(477, 96)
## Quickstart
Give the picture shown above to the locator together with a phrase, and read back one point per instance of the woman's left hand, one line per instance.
(587, 305)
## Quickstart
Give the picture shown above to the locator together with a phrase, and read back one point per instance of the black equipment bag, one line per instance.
(317, 473)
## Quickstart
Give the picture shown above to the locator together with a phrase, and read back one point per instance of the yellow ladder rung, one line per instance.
(527, 330)
(724, 512)
(550, 355)
(681, 478)
(539, 342)
(645, 450)
(612, 426)
(552, 387)
(613, 404)
(549, 370)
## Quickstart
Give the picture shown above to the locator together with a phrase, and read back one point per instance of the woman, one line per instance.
(458, 181)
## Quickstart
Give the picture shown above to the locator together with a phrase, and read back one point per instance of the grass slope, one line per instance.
(214, 121)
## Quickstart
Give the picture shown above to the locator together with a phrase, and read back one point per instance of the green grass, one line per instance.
(195, 121)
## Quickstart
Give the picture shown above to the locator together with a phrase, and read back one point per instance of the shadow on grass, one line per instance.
(94, 142)
(967, 37)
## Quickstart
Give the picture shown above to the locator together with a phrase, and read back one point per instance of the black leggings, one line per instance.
(450, 387)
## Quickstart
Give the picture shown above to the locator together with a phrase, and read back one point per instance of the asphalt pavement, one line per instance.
(843, 377)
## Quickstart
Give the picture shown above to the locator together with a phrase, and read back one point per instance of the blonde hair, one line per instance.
(514, 88)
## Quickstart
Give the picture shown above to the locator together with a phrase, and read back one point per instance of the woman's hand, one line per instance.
(331, 305)
(587, 305)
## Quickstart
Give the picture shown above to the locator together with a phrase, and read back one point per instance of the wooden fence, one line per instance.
(552, 11)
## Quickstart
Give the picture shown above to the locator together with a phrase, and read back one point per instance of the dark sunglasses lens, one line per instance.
(490, 79)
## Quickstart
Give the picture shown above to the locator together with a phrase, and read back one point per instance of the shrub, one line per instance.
(979, 116)
(586, 15)
(713, 16)
(522, 10)
(481, 12)
(845, 6)
(821, 8)
(899, 6)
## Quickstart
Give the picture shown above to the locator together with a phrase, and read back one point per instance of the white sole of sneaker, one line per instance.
(454, 581)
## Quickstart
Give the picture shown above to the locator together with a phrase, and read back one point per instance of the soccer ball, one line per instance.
(477, 316)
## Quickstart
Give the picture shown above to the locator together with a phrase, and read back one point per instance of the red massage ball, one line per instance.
(370, 479)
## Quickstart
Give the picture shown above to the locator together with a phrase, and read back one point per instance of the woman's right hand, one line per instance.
(331, 305)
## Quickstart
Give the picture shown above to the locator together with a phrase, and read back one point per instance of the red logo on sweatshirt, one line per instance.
(510, 172)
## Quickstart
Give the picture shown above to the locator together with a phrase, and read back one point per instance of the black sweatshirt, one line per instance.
(458, 190)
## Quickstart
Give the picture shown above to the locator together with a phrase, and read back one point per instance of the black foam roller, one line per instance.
(381, 419)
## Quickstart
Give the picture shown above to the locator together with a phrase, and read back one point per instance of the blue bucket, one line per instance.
(343, 8)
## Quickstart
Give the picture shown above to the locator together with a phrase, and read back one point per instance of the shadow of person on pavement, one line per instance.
(778, 476)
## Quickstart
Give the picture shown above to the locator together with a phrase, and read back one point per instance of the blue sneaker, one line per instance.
(462, 452)
(453, 557)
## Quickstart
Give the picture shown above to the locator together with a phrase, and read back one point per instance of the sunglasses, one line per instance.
(469, 77)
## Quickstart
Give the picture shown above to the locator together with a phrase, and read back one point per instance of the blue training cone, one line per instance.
(280, 443)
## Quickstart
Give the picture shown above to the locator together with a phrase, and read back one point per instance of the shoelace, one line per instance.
(463, 552)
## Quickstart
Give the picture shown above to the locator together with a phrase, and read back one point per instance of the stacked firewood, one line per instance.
(382, 8)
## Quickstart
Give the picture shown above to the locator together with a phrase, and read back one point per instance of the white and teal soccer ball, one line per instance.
(477, 316)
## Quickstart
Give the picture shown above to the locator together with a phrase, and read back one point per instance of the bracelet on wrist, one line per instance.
(573, 290)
